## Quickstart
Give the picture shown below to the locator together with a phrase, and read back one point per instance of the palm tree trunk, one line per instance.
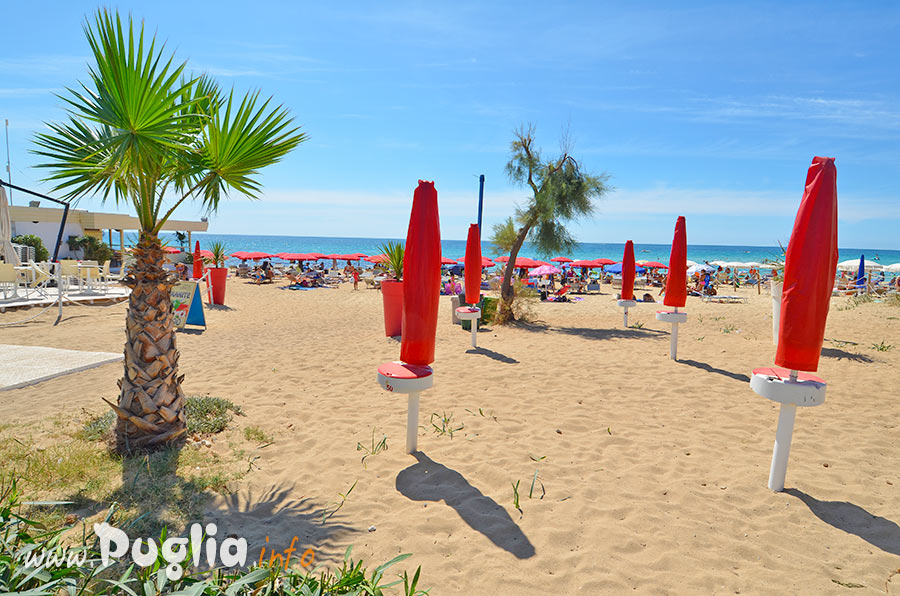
(151, 405)
(507, 291)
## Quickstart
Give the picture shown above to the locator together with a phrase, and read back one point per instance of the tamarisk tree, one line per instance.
(561, 192)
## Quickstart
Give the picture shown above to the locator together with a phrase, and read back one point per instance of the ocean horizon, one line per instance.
(457, 248)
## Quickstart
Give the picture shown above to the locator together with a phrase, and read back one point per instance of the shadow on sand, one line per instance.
(853, 519)
(597, 334)
(718, 371)
(841, 354)
(492, 355)
(428, 480)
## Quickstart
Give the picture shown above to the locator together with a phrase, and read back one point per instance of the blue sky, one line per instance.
(711, 110)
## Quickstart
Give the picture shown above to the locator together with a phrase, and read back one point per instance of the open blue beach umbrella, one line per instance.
(617, 268)
(861, 275)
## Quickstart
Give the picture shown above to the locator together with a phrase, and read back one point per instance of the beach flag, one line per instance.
(628, 272)
(809, 268)
(421, 278)
(676, 280)
(473, 265)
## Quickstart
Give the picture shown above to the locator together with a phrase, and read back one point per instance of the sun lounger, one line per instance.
(725, 299)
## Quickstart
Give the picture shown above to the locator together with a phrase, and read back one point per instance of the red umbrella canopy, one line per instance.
(809, 266)
(294, 256)
(421, 278)
(526, 263)
(485, 262)
(654, 265)
(583, 263)
(317, 255)
(447, 261)
(382, 258)
(197, 273)
(252, 255)
(561, 260)
(335, 257)
(603, 262)
(242, 255)
(502, 259)
(628, 272)
(676, 280)
(171, 249)
(473, 265)
(204, 254)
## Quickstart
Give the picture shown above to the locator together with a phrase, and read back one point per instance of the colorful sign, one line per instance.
(187, 305)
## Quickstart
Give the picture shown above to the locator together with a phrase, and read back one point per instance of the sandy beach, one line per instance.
(651, 473)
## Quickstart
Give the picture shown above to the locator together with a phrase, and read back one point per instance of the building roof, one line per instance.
(90, 220)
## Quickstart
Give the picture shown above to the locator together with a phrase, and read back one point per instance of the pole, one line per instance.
(673, 341)
(782, 448)
(8, 166)
(626, 317)
(480, 199)
(59, 291)
(412, 422)
(474, 332)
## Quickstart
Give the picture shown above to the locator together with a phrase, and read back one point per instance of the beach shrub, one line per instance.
(92, 249)
(208, 415)
(40, 251)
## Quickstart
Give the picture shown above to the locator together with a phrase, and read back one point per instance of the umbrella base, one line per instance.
(668, 316)
(399, 377)
(470, 313)
(774, 383)
(627, 303)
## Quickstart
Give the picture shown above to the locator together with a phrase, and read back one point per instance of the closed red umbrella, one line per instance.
(809, 268)
(628, 272)
(198, 261)
(676, 280)
(421, 278)
(676, 286)
(473, 265)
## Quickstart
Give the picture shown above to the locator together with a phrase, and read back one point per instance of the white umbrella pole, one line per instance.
(474, 333)
(412, 421)
(626, 317)
(783, 434)
(673, 340)
(59, 291)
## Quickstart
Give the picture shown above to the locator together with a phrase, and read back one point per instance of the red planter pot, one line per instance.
(392, 297)
(217, 277)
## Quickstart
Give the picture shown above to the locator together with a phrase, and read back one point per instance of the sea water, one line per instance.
(457, 249)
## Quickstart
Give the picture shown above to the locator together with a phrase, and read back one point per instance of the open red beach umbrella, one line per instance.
(255, 256)
(654, 265)
(603, 262)
(502, 259)
(582, 263)
(447, 261)
(171, 249)
(205, 254)
(382, 258)
(421, 278)
(485, 262)
(676, 280)
(198, 261)
(561, 260)
(240, 255)
(809, 266)
(628, 272)
(526, 263)
(473, 265)
(317, 255)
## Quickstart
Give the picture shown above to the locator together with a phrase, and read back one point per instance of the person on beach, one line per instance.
(355, 272)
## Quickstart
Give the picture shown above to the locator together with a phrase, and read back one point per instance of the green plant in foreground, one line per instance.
(446, 427)
(206, 415)
(531, 490)
(255, 433)
(882, 347)
(515, 488)
(394, 252)
(326, 514)
(374, 449)
(729, 328)
(637, 326)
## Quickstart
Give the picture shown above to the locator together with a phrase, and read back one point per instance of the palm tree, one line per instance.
(144, 132)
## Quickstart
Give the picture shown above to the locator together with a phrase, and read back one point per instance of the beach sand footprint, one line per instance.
(428, 480)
